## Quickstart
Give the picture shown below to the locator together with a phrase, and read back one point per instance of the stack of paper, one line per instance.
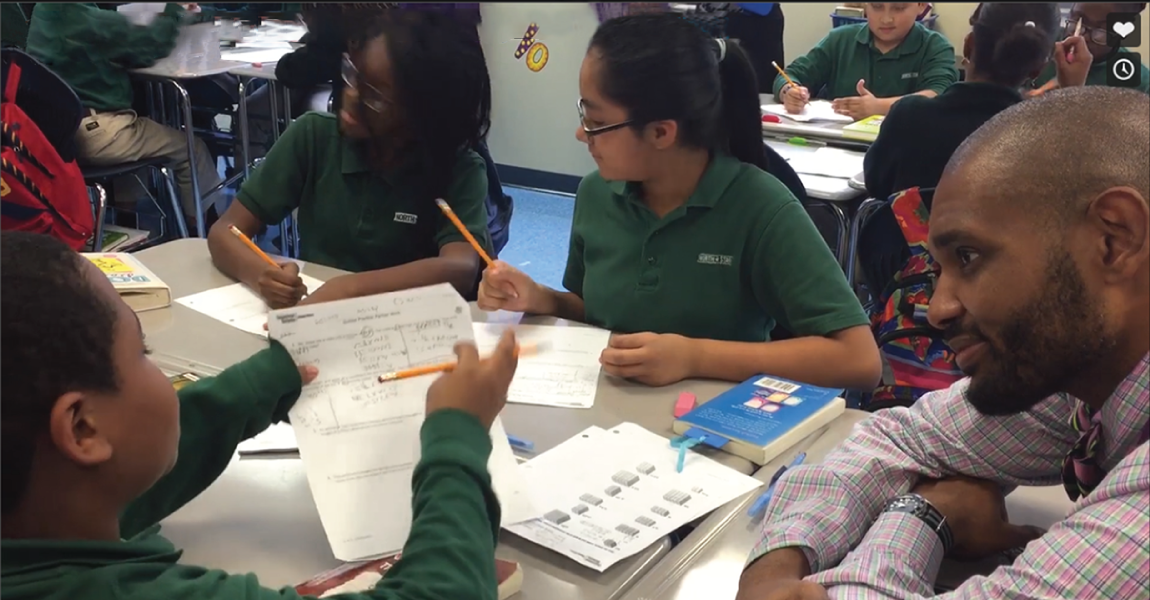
(815, 110)
(565, 370)
(828, 162)
(359, 438)
(237, 305)
(611, 493)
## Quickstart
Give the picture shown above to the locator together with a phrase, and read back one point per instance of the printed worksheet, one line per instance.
(237, 305)
(828, 162)
(561, 370)
(359, 438)
(815, 110)
(610, 493)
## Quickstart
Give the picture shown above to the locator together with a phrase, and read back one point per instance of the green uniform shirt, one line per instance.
(831, 70)
(1098, 72)
(92, 49)
(13, 25)
(741, 254)
(450, 552)
(350, 217)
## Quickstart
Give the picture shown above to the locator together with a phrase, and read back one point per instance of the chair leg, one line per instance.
(99, 210)
(178, 211)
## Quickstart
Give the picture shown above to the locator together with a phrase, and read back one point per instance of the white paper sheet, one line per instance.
(237, 305)
(141, 13)
(815, 110)
(829, 162)
(256, 55)
(359, 438)
(611, 493)
(565, 371)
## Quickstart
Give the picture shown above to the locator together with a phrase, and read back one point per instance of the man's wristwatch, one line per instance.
(920, 507)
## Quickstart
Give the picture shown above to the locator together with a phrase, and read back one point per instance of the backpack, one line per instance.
(919, 358)
(39, 191)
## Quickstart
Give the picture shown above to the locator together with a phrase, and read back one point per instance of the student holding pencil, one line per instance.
(98, 447)
(685, 243)
(365, 183)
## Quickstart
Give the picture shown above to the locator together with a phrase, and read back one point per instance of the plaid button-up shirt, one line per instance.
(834, 510)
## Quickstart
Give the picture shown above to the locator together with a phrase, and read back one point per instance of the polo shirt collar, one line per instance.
(912, 43)
(718, 176)
(353, 161)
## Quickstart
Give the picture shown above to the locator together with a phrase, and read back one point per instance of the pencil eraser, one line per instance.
(685, 404)
(771, 119)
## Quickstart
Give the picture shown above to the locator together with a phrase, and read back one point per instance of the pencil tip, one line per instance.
(441, 202)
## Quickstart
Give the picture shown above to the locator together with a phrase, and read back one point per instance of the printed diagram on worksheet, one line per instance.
(611, 493)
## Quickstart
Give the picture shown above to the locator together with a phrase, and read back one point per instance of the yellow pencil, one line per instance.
(784, 74)
(252, 245)
(522, 350)
(467, 234)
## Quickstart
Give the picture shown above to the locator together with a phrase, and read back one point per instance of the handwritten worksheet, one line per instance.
(359, 438)
(563, 370)
(237, 305)
(815, 110)
(610, 493)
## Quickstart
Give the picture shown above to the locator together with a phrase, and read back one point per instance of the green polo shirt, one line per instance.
(923, 61)
(350, 217)
(741, 254)
(1098, 72)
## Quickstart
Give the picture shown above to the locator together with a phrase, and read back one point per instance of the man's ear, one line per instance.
(1121, 216)
(663, 134)
(75, 429)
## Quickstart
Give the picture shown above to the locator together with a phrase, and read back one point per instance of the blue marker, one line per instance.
(520, 443)
(761, 502)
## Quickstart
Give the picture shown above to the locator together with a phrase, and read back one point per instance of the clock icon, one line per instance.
(1124, 69)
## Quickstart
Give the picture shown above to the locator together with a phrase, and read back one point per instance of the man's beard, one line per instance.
(1046, 344)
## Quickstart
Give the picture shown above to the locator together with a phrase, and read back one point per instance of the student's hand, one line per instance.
(976, 512)
(858, 107)
(336, 288)
(1046, 87)
(281, 286)
(308, 373)
(797, 590)
(504, 287)
(795, 99)
(651, 358)
(1072, 71)
(478, 387)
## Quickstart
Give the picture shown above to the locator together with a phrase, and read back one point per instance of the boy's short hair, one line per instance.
(57, 336)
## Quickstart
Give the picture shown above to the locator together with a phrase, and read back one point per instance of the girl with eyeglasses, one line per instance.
(416, 100)
(1103, 47)
(687, 242)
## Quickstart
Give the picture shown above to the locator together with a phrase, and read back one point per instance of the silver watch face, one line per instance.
(909, 504)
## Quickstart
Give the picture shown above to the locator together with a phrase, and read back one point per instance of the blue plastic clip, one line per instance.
(684, 443)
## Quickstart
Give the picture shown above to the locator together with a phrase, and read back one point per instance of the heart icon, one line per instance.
(1123, 28)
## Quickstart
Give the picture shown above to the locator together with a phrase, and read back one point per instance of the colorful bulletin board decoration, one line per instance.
(535, 51)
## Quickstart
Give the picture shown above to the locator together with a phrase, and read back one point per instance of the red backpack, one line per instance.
(39, 192)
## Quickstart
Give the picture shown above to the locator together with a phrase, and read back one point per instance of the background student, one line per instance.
(865, 68)
(683, 242)
(758, 26)
(365, 182)
(1007, 45)
(1093, 18)
(93, 49)
(98, 448)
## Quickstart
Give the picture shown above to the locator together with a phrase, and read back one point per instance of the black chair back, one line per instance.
(47, 100)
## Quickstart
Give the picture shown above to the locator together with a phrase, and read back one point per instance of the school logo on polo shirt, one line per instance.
(716, 259)
(402, 217)
(911, 75)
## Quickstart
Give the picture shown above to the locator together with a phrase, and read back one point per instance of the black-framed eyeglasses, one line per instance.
(594, 131)
(1097, 35)
(374, 99)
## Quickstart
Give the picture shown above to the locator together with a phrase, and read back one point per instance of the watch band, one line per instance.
(920, 507)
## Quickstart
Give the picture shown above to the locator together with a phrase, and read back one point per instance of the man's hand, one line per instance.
(797, 590)
(1072, 71)
(859, 107)
(650, 358)
(975, 509)
(795, 98)
(336, 288)
(772, 573)
(281, 286)
(475, 386)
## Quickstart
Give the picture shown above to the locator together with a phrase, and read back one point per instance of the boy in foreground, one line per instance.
(98, 448)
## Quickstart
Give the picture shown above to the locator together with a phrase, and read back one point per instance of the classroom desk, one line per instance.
(259, 504)
(823, 131)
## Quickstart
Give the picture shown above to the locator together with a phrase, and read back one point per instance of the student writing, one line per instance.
(865, 68)
(98, 448)
(365, 182)
(1008, 44)
(683, 241)
(1092, 16)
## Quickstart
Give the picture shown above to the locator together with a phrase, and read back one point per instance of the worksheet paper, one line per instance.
(359, 438)
(828, 162)
(815, 110)
(563, 372)
(611, 493)
(237, 305)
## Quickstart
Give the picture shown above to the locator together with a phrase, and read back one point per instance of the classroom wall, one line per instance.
(533, 114)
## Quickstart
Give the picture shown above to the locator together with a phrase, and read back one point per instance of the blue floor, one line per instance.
(540, 230)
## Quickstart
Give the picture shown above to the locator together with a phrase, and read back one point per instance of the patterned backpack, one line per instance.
(918, 356)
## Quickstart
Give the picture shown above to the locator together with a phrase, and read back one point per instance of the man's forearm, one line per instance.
(762, 576)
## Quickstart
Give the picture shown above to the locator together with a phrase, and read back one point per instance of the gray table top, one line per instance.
(259, 504)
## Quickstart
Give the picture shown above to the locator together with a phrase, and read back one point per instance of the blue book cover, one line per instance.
(761, 409)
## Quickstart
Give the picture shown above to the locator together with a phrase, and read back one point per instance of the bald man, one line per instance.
(1043, 237)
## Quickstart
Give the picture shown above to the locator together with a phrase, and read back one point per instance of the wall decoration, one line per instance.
(535, 51)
